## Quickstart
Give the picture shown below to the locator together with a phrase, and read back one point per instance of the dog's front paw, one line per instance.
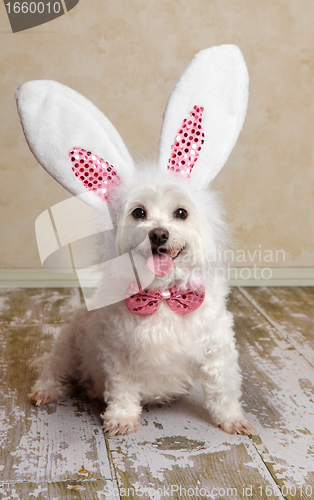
(46, 391)
(42, 397)
(241, 426)
(121, 425)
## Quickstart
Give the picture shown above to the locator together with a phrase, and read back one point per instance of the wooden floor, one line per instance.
(59, 451)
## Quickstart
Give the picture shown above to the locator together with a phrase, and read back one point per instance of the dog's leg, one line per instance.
(55, 370)
(222, 391)
(124, 409)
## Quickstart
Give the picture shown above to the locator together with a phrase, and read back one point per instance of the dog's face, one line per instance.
(168, 218)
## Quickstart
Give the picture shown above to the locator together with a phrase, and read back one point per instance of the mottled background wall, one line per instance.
(125, 56)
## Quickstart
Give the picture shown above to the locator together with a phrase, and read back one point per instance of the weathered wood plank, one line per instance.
(291, 311)
(83, 489)
(50, 443)
(177, 454)
(176, 445)
(279, 393)
(37, 305)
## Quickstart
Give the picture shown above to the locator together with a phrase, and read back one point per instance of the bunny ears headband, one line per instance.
(82, 150)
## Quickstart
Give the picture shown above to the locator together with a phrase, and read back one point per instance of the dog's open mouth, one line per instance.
(161, 260)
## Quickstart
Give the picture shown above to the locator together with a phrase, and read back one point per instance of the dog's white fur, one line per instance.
(129, 360)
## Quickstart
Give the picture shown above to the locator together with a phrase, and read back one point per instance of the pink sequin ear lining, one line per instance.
(188, 144)
(95, 173)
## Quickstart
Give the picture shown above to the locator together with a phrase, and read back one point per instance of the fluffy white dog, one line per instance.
(153, 345)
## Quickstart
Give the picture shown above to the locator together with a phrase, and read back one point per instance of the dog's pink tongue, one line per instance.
(159, 264)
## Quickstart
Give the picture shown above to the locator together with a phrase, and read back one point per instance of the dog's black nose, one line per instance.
(158, 236)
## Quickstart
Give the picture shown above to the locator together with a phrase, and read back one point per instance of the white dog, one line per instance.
(155, 343)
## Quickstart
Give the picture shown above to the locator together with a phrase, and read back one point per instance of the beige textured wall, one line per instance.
(125, 56)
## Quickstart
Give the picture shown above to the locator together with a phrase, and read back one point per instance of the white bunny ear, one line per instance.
(72, 139)
(205, 114)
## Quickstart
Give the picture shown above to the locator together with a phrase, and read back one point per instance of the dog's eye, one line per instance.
(180, 213)
(139, 213)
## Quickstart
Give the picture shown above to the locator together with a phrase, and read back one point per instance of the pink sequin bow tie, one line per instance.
(180, 301)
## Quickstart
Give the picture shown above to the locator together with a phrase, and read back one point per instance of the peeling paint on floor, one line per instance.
(53, 452)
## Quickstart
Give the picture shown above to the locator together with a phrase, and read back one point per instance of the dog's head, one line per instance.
(82, 150)
(181, 226)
